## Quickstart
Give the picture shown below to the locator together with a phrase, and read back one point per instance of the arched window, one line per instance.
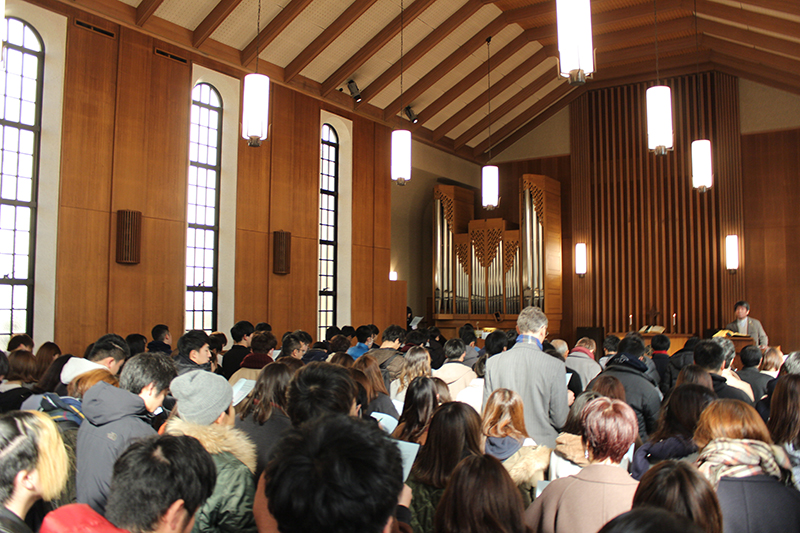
(328, 222)
(202, 234)
(20, 112)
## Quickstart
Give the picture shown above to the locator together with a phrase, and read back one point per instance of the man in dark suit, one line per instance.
(751, 358)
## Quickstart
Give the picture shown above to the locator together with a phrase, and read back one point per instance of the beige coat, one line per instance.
(457, 376)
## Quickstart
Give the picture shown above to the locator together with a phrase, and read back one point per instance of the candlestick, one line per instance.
(630, 320)
(674, 319)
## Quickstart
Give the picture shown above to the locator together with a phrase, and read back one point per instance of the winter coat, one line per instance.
(794, 457)
(230, 507)
(568, 457)
(424, 501)
(114, 419)
(651, 453)
(456, 375)
(725, 391)
(677, 361)
(77, 518)
(472, 395)
(582, 363)
(524, 461)
(757, 380)
(184, 365)
(232, 359)
(11, 523)
(641, 393)
(265, 435)
(159, 346)
(758, 504)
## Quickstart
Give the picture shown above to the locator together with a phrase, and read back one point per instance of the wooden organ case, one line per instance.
(486, 270)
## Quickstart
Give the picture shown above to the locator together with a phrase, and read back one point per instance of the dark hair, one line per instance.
(88, 351)
(263, 326)
(708, 354)
(291, 363)
(480, 497)
(573, 423)
(319, 389)
(263, 342)
(22, 366)
(45, 356)
(342, 359)
(241, 329)
(608, 386)
(416, 337)
(4, 365)
(159, 332)
(418, 408)
(372, 370)
(467, 334)
(609, 428)
(191, 341)
(110, 345)
(137, 343)
(394, 333)
(660, 343)
(303, 336)
(750, 356)
(363, 390)
(154, 473)
(495, 342)
(784, 411)
(348, 331)
(363, 333)
(337, 474)
(741, 303)
(631, 346)
(454, 349)
(339, 343)
(679, 487)
(694, 374)
(331, 332)
(216, 342)
(611, 343)
(268, 393)
(52, 376)
(454, 433)
(19, 339)
(442, 390)
(374, 329)
(146, 368)
(648, 519)
(681, 411)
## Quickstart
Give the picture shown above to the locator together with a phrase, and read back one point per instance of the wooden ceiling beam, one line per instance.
(146, 10)
(497, 59)
(784, 6)
(503, 109)
(773, 44)
(479, 101)
(528, 12)
(376, 43)
(617, 38)
(329, 34)
(745, 17)
(443, 68)
(747, 53)
(273, 29)
(213, 20)
(551, 98)
(757, 73)
(644, 51)
(422, 48)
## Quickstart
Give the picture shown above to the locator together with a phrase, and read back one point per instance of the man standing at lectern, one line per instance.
(746, 325)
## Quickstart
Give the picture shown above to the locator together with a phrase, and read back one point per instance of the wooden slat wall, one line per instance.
(653, 241)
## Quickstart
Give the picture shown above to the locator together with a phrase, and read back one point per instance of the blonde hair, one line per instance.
(503, 415)
(78, 386)
(416, 363)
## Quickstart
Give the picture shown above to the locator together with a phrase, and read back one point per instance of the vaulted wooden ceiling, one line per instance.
(316, 46)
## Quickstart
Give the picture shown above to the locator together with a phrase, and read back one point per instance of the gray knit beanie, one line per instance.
(202, 396)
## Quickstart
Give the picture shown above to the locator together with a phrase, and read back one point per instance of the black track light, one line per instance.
(355, 92)
(411, 115)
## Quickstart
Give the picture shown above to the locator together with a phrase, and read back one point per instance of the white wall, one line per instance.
(549, 139)
(763, 108)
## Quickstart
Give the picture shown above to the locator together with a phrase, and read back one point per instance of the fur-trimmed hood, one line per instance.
(528, 463)
(218, 439)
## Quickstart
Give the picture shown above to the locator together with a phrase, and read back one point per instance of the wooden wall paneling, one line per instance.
(398, 291)
(363, 285)
(582, 215)
(253, 265)
(382, 187)
(382, 301)
(363, 183)
(283, 131)
(305, 178)
(253, 185)
(292, 302)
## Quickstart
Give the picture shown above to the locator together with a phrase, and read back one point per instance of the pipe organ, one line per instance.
(488, 267)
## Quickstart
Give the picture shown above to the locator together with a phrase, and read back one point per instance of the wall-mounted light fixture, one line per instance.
(575, 48)
(355, 92)
(580, 259)
(392, 275)
(411, 115)
(732, 253)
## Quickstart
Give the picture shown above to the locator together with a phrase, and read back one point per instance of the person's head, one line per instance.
(263, 326)
(331, 332)
(349, 332)
(158, 484)
(20, 341)
(3, 365)
(532, 321)
(454, 433)
(586, 343)
(660, 343)
(467, 334)
(791, 365)
(204, 398)
(370, 367)
(609, 386)
(741, 309)
(305, 340)
(263, 342)
(292, 364)
(750, 356)
(728, 350)
(511, 337)
(394, 335)
(337, 474)
(339, 343)
(363, 391)
(708, 354)
(149, 375)
(784, 411)
(22, 367)
(292, 346)
(320, 389)
(110, 351)
(609, 429)
(160, 333)
(416, 337)
(137, 343)
(480, 497)
(364, 334)
(681, 411)
(78, 386)
(679, 487)
(48, 352)
(52, 376)
(695, 374)
(442, 390)
(375, 331)
(193, 345)
(631, 346)
(573, 424)
(772, 360)
(611, 344)
(416, 363)
(561, 347)
(268, 393)
(342, 359)
(455, 350)
(503, 415)
(496, 342)
(34, 461)
(730, 419)
(241, 332)
(220, 341)
(420, 402)
(650, 519)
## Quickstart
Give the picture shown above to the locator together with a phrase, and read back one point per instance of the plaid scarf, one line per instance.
(742, 458)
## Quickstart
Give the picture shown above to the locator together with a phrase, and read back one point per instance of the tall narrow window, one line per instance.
(21, 112)
(328, 200)
(203, 215)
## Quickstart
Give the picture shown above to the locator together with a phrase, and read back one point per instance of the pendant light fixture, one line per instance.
(490, 174)
(255, 102)
(702, 168)
(401, 139)
(575, 48)
(659, 109)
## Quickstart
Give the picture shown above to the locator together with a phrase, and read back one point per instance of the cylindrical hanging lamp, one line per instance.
(490, 186)
(659, 119)
(575, 48)
(401, 156)
(255, 109)
(702, 170)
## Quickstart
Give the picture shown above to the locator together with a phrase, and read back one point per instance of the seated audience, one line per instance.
(340, 343)
(137, 343)
(378, 401)
(455, 433)
(610, 346)
(480, 497)
(162, 340)
(709, 355)
(676, 424)
(581, 360)
(364, 338)
(436, 342)
(472, 394)
(771, 362)
(262, 346)
(416, 363)
(442, 391)
(660, 356)
(569, 455)
(467, 334)
(678, 360)
(45, 355)
(679, 487)
(388, 356)
(600, 491)
(109, 351)
(694, 374)
(784, 420)
(20, 341)
(193, 352)
(157, 486)
(608, 386)
(21, 375)
(791, 365)
(749, 473)
(51, 377)
(205, 412)
(649, 519)
(241, 332)
(317, 352)
(420, 403)
(339, 359)
(454, 372)
(751, 359)
(506, 439)
(733, 379)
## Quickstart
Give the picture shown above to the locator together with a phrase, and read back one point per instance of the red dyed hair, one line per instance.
(609, 428)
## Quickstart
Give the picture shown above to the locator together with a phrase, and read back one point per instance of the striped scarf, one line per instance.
(742, 458)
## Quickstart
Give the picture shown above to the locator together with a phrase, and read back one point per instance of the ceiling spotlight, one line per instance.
(411, 115)
(355, 92)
